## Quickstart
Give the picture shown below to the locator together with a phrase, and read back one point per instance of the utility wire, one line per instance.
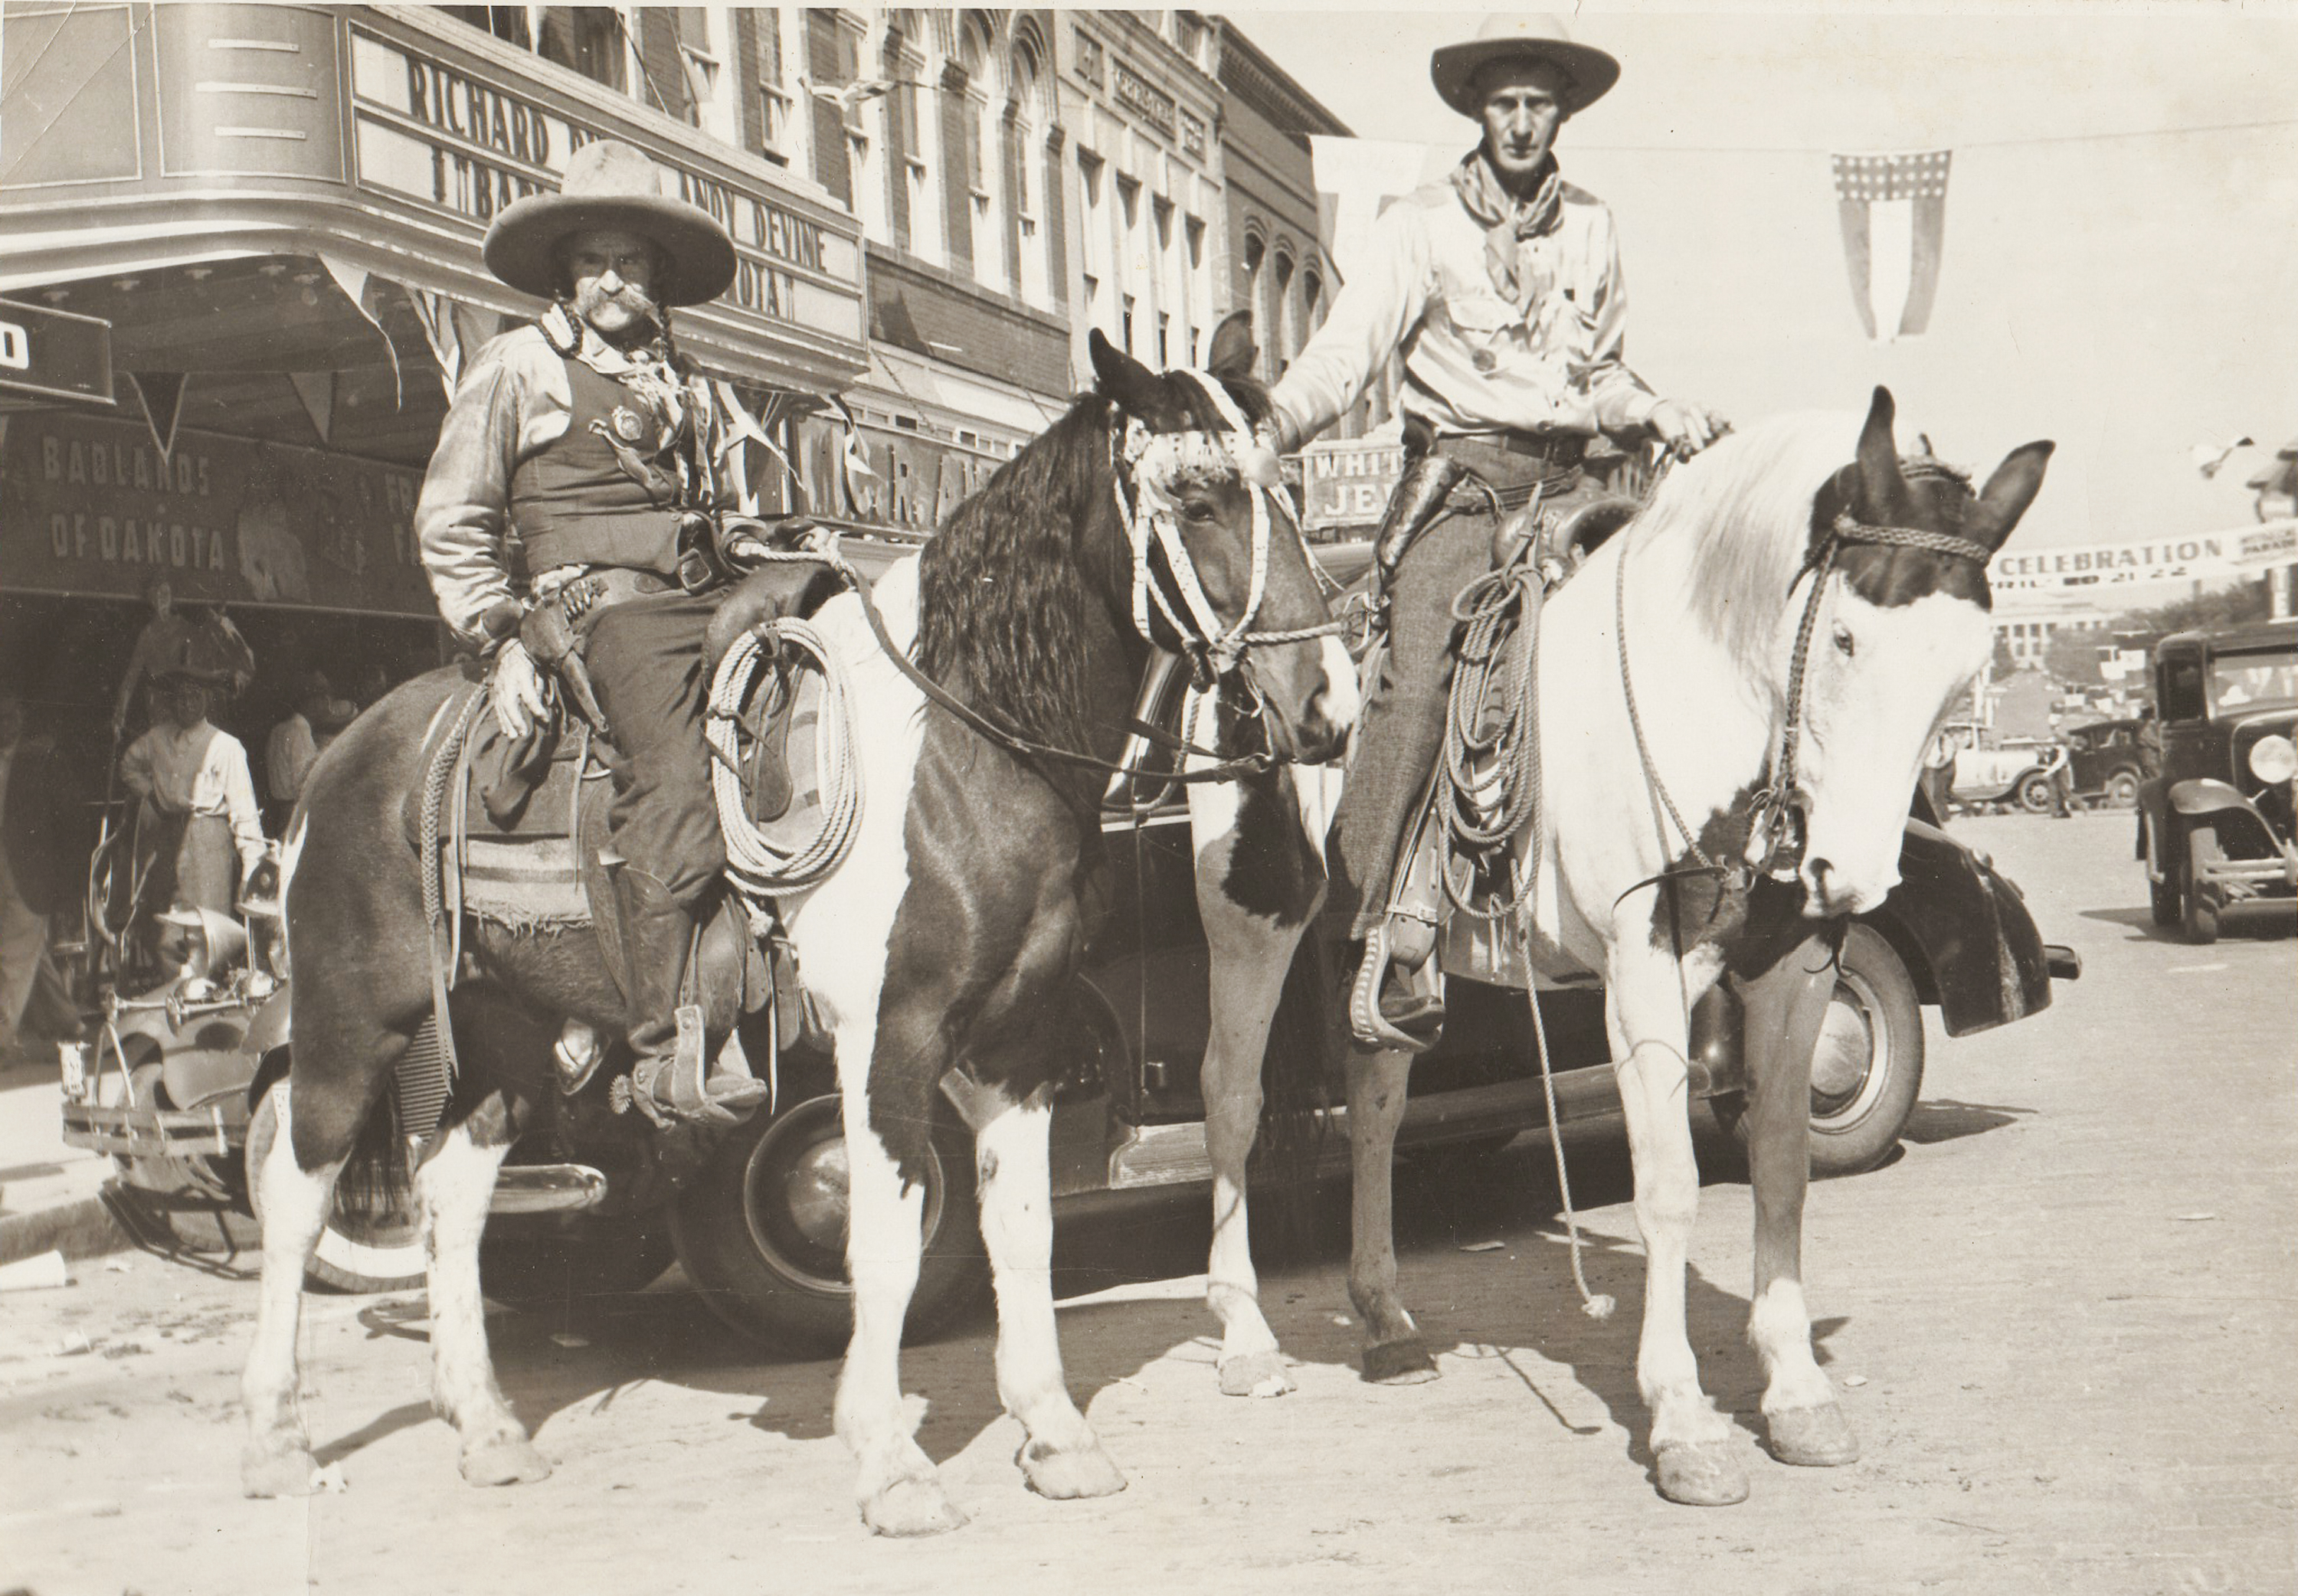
(1974, 143)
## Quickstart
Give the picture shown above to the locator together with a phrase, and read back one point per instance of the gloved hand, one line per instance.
(516, 687)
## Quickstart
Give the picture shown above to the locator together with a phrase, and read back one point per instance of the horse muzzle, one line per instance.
(1829, 892)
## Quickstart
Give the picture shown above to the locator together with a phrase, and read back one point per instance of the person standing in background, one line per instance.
(199, 805)
(291, 747)
(36, 875)
(164, 645)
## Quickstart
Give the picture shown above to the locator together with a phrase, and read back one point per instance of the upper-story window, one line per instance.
(1029, 119)
(1189, 37)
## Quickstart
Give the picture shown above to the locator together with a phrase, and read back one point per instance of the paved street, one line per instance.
(2061, 1322)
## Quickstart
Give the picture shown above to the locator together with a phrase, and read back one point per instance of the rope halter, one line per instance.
(1775, 840)
(1158, 463)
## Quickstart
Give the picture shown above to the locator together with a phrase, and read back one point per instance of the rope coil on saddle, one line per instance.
(759, 867)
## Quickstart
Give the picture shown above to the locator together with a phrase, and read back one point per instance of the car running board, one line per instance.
(547, 1189)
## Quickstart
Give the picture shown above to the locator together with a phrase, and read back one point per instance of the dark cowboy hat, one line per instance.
(1590, 72)
(610, 184)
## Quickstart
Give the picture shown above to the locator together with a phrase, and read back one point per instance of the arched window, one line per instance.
(1282, 338)
(1030, 213)
(973, 241)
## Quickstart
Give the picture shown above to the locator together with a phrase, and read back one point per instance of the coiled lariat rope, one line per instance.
(758, 866)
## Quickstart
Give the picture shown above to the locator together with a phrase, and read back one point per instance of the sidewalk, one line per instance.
(48, 1191)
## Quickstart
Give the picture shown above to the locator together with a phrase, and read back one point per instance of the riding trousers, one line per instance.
(1403, 729)
(645, 660)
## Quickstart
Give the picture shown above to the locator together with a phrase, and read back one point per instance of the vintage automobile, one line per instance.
(2215, 826)
(595, 1204)
(2014, 772)
(2108, 761)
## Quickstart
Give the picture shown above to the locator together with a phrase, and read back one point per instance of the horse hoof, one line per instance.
(295, 1472)
(1812, 1437)
(911, 1508)
(1399, 1363)
(1255, 1374)
(504, 1463)
(1072, 1474)
(1703, 1473)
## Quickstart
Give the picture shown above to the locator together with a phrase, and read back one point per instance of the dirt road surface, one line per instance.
(2061, 1322)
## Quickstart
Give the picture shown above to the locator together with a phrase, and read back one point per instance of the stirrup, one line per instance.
(576, 1056)
(1372, 1027)
(669, 1088)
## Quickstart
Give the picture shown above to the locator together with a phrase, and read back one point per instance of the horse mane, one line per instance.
(1004, 599)
(1742, 512)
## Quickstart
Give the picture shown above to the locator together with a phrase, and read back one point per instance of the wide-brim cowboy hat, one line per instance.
(1590, 71)
(611, 183)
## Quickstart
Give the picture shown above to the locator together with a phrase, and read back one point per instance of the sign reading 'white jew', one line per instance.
(1893, 209)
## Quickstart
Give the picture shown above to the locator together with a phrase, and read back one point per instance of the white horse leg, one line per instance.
(1691, 1440)
(1784, 1008)
(1249, 962)
(453, 1190)
(277, 1460)
(899, 1491)
(1062, 1458)
(1394, 1354)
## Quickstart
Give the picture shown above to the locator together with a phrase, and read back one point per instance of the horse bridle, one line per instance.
(1213, 649)
(1777, 818)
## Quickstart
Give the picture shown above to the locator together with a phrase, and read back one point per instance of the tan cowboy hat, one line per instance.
(1510, 38)
(611, 183)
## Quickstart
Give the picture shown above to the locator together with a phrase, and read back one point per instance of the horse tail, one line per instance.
(1297, 1077)
(377, 1178)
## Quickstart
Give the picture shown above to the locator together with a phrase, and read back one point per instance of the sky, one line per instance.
(2121, 219)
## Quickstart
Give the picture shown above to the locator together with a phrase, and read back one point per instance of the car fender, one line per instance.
(1965, 933)
(266, 1043)
(2205, 795)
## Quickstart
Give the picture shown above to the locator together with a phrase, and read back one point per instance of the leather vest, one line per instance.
(576, 503)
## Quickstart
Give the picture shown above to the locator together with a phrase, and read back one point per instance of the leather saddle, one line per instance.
(521, 826)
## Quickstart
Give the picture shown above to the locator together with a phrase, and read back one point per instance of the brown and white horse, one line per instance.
(1780, 607)
(1146, 515)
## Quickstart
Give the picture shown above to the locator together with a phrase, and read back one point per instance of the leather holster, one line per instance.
(1421, 494)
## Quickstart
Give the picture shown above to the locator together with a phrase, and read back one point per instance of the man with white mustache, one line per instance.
(581, 439)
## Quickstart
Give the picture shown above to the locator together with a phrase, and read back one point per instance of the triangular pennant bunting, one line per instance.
(161, 395)
(355, 281)
(317, 390)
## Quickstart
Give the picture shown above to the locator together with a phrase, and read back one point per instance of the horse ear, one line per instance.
(1233, 353)
(1119, 377)
(2008, 493)
(1882, 491)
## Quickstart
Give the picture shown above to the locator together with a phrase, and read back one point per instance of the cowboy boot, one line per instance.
(668, 1081)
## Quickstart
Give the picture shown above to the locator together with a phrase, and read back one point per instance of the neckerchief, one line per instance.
(1506, 219)
(647, 374)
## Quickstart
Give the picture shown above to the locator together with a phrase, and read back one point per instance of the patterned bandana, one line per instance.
(1506, 219)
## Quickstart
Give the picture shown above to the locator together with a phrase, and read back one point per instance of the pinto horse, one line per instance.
(1775, 621)
(1148, 517)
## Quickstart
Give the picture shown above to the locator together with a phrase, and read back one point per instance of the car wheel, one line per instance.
(2163, 898)
(556, 1264)
(1867, 1069)
(2122, 790)
(762, 1230)
(2035, 793)
(2199, 906)
(359, 1250)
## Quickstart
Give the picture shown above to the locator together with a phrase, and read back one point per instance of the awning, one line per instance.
(959, 400)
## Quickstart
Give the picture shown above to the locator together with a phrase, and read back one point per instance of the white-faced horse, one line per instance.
(1746, 676)
(1145, 516)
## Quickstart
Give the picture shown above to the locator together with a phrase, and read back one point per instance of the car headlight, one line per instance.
(2274, 759)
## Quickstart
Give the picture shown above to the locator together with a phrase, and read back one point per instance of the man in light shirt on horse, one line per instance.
(1502, 290)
